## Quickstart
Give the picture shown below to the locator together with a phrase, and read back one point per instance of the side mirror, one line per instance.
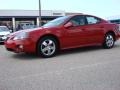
(69, 24)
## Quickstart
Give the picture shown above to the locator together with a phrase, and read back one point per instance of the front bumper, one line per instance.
(2, 39)
(19, 46)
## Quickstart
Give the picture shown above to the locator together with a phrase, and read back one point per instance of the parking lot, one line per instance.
(91, 68)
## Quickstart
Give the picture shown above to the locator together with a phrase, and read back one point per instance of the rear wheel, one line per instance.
(47, 47)
(109, 41)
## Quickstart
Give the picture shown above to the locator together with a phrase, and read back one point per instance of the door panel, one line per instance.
(94, 30)
(94, 33)
(83, 34)
(74, 37)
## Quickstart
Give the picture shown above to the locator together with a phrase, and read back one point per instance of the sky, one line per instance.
(101, 8)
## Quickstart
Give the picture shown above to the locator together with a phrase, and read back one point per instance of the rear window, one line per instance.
(92, 20)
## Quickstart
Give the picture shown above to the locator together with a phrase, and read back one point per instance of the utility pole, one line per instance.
(39, 13)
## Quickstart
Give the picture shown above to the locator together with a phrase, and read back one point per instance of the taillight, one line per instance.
(119, 27)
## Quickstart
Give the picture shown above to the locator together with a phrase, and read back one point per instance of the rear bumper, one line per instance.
(19, 46)
(118, 36)
(118, 33)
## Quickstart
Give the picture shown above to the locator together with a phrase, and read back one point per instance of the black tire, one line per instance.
(109, 41)
(47, 47)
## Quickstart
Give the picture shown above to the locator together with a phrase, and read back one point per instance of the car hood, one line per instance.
(4, 33)
(31, 30)
(26, 30)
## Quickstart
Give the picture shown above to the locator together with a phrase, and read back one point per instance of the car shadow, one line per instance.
(80, 50)
(85, 49)
(24, 56)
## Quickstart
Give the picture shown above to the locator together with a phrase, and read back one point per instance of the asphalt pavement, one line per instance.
(90, 68)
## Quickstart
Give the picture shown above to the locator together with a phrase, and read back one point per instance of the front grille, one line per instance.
(1, 40)
(1, 35)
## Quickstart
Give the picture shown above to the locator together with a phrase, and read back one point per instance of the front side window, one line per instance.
(92, 20)
(78, 20)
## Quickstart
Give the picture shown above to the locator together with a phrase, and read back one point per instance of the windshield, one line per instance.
(56, 22)
(4, 29)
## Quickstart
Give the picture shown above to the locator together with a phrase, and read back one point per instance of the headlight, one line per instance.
(21, 36)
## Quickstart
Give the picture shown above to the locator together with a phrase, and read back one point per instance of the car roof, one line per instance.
(81, 15)
(85, 15)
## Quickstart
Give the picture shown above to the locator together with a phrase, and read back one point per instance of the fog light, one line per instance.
(21, 46)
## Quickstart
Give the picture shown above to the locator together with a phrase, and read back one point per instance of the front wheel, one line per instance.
(47, 47)
(109, 41)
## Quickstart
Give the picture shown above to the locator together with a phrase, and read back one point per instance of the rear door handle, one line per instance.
(83, 29)
(102, 27)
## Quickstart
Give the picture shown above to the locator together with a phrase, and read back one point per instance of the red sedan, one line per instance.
(64, 33)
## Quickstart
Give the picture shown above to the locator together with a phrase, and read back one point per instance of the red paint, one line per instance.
(69, 36)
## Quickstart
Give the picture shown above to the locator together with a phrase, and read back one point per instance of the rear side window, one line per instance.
(92, 20)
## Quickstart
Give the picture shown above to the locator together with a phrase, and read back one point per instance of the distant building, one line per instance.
(68, 13)
(14, 19)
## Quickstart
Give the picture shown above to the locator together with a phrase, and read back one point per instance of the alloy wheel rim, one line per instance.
(109, 40)
(48, 47)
